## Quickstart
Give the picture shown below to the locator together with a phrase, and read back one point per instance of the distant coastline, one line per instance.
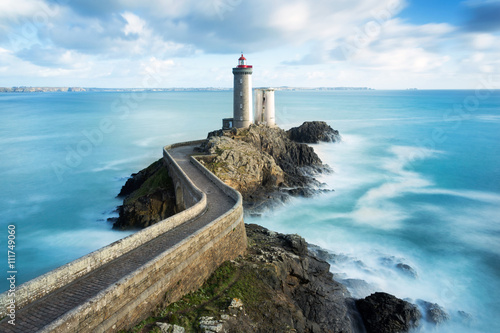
(24, 89)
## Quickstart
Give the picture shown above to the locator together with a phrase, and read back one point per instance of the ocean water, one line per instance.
(416, 180)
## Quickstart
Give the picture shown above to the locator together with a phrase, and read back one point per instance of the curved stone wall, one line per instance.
(59, 277)
(165, 279)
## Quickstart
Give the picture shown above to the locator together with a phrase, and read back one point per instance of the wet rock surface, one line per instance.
(400, 266)
(313, 132)
(433, 312)
(322, 304)
(277, 287)
(382, 312)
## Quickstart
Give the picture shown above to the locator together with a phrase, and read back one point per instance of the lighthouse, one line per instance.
(242, 98)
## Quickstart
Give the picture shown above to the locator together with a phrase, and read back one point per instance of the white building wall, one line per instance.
(269, 114)
(264, 107)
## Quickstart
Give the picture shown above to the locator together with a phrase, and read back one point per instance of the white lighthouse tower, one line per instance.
(242, 98)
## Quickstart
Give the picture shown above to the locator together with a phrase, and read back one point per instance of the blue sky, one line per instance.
(392, 44)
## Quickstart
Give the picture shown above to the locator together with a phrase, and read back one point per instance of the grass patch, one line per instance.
(213, 298)
(159, 179)
(138, 328)
(214, 166)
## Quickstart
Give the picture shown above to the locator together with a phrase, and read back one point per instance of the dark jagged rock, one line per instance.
(433, 313)
(407, 270)
(321, 304)
(465, 318)
(313, 132)
(321, 253)
(150, 198)
(358, 288)
(279, 287)
(384, 313)
(400, 266)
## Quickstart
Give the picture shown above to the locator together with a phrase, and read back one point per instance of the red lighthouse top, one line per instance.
(242, 62)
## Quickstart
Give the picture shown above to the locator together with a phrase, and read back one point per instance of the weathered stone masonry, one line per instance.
(177, 271)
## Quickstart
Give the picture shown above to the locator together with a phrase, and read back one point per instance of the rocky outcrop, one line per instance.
(277, 287)
(313, 132)
(382, 312)
(433, 312)
(149, 198)
(167, 328)
(263, 164)
(282, 285)
(319, 303)
(243, 167)
(137, 179)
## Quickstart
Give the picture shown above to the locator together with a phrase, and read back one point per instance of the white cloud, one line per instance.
(135, 25)
(483, 41)
(297, 42)
(400, 59)
(156, 66)
(15, 9)
(291, 17)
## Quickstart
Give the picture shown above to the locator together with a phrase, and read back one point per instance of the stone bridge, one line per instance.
(121, 284)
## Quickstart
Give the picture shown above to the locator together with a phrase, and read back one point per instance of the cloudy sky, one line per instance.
(388, 44)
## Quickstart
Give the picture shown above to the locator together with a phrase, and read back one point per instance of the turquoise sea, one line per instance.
(416, 180)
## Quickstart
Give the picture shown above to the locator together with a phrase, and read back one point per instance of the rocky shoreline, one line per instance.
(263, 163)
(267, 165)
(282, 284)
(148, 197)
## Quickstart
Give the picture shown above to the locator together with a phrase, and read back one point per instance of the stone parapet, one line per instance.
(36, 288)
(177, 270)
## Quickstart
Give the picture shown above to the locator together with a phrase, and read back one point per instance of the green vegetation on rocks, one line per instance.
(277, 286)
(148, 198)
(159, 180)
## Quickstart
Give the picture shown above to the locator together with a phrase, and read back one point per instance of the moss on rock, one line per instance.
(277, 283)
(149, 198)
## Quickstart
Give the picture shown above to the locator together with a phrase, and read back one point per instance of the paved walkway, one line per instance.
(42, 312)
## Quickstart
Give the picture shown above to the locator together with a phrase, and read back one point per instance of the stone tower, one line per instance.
(242, 99)
(264, 107)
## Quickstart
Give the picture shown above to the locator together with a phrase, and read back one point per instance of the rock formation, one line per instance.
(313, 132)
(264, 164)
(433, 312)
(385, 313)
(280, 285)
(277, 287)
(148, 198)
